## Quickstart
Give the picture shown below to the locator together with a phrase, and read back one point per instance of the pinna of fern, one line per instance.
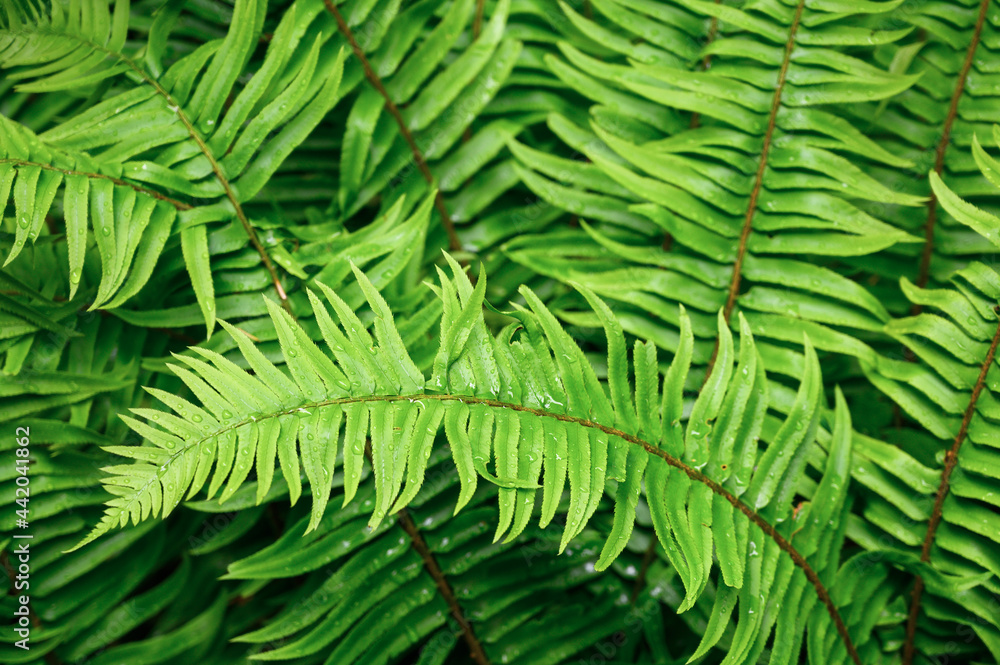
(548, 424)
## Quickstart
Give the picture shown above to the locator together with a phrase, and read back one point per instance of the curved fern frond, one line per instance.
(131, 223)
(504, 427)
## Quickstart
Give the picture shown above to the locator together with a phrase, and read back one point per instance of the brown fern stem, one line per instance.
(406, 523)
(741, 250)
(640, 580)
(950, 461)
(477, 22)
(180, 205)
(476, 651)
(216, 169)
(418, 156)
(477, 27)
(925, 258)
(734, 286)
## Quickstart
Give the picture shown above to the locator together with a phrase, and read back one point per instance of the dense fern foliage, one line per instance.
(499, 331)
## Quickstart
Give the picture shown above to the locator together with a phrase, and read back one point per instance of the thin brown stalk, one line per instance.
(925, 258)
(706, 63)
(734, 285)
(180, 205)
(640, 580)
(418, 156)
(403, 519)
(216, 169)
(950, 461)
(476, 651)
(477, 22)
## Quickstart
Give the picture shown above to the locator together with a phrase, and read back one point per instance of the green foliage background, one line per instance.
(504, 331)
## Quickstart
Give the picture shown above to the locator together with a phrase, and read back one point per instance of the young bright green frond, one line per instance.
(550, 419)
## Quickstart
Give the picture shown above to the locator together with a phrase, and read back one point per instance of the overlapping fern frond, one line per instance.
(357, 575)
(933, 124)
(166, 148)
(60, 397)
(764, 178)
(951, 392)
(546, 426)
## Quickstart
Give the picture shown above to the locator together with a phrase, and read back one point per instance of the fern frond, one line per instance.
(171, 133)
(933, 124)
(552, 415)
(366, 462)
(381, 142)
(135, 221)
(950, 393)
(762, 178)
